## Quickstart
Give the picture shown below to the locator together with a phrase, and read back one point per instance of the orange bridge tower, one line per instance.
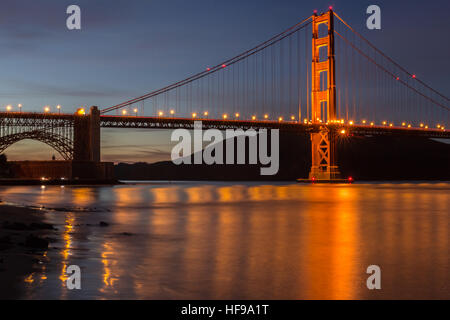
(323, 99)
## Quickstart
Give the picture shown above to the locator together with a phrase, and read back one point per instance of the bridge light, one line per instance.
(224, 65)
(47, 109)
(443, 128)
(266, 116)
(421, 125)
(160, 113)
(371, 123)
(124, 112)
(280, 119)
(398, 78)
(208, 69)
(315, 11)
(81, 112)
(194, 115)
(237, 115)
(172, 112)
(391, 124)
(8, 108)
(305, 121)
(413, 76)
(205, 113)
(343, 131)
(292, 118)
(253, 117)
(350, 122)
(58, 107)
(364, 122)
(426, 127)
(225, 116)
(135, 110)
(438, 126)
(330, 7)
(409, 126)
(403, 124)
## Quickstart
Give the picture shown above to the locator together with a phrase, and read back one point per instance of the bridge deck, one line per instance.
(188, 123)
(137, 122)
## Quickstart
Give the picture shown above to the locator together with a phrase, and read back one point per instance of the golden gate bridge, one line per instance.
(319, 76)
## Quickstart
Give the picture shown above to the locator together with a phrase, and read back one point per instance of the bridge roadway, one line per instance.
(293, 126)
(9, 119)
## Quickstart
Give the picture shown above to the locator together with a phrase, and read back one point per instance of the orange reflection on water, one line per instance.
(83, 197)
(109, 278)
(66, 251)
(260, 241)
(165, 195)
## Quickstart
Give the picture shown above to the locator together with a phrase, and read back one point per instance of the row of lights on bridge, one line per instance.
(47, 109)
(386, 123)
(225, 116)
(195, 115)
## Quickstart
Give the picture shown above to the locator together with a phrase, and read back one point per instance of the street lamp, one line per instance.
(135, 111)
(47, 109)
(20, 107)
(8, 108)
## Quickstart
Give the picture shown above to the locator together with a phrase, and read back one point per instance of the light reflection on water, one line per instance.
(245, 240)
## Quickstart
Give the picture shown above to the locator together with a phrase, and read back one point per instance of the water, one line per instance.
(244, 240)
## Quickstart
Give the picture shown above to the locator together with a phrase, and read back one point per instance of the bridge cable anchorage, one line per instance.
(275, 39)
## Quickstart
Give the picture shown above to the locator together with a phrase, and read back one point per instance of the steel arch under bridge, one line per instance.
(53, 130)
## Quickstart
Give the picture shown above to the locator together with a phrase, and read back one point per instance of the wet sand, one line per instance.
(24, 237)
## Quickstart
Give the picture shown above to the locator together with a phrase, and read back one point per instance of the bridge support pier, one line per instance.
(87, 136)
(323, 151)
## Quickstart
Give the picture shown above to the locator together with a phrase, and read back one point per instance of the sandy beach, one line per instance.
(24, 239)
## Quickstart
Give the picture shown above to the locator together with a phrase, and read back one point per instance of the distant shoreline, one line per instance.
(12, 182)
(33, 182)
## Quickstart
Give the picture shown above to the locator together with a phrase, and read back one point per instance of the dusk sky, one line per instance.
(128, 48)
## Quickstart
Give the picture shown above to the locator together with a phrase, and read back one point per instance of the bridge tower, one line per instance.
(87, 135)
(323, 100)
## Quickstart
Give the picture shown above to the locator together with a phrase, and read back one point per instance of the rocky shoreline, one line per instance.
(24, 241)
